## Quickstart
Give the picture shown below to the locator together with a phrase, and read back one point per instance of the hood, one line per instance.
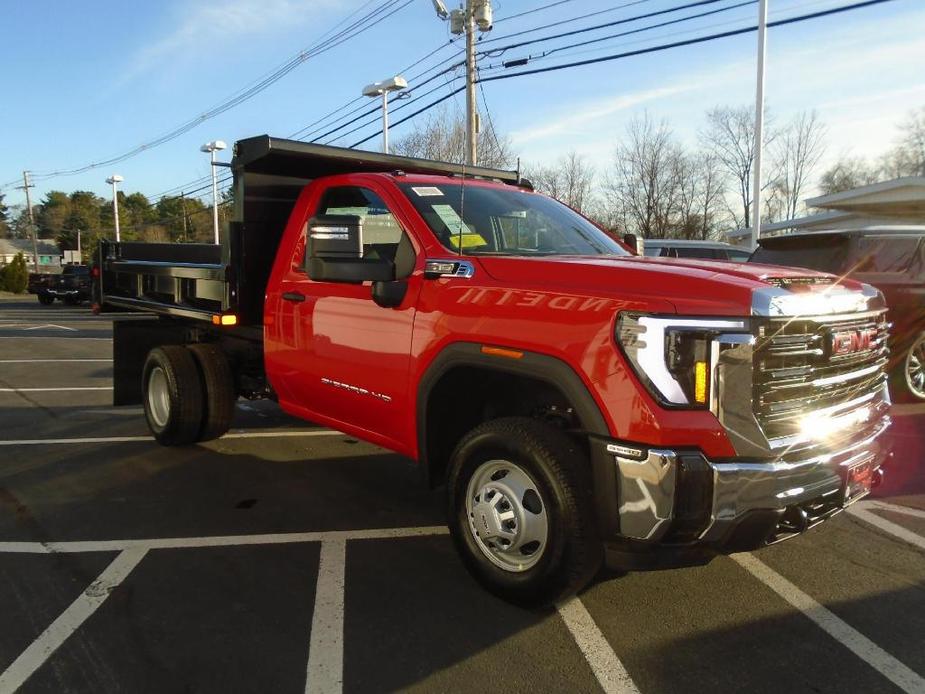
(693, 286)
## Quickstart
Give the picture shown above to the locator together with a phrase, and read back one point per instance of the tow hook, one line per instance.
(878, 478)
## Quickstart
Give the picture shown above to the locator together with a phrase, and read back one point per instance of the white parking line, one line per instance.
(219, 540)
(894, 508)
(135, 439)
(52, 390)
(886, 526)
(325, 672)
(607, 668)
(49, 361)
(899, 674)
(68, 621)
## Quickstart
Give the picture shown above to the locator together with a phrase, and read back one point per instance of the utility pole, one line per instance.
(472, 113)
(26, 185)
(476, 14)
(759, 121)
(183, 213)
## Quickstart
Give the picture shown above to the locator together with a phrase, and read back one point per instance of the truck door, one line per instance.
(348, 358)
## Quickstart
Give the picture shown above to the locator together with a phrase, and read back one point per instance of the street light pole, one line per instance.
(759, 122)
(383, 88)
(114, 179)
(212, 148)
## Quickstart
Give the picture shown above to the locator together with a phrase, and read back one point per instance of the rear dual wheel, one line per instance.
(188, 393)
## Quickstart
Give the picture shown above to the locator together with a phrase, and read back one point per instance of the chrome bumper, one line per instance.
(661, 490)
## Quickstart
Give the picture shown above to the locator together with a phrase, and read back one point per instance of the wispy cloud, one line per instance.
(576, 121)
(199, 27)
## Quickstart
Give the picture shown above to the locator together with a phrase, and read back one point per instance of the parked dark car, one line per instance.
(72, 286)
(40, 281)
(702, 250)
(891, 259)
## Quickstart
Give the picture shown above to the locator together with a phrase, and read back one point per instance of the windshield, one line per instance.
(506, 221)
(825, 254)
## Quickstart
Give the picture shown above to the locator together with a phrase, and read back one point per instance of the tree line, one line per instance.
(60, 216)
(655, 185)
(658, 187)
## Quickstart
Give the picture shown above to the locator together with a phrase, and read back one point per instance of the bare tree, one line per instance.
(847, 173)
(907, 157)
(642, 188)
(798, 148)
(443, 138)
(701, 193)
(570, 180)
(730, 136)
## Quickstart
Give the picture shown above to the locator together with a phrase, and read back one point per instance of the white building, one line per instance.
(49, 253)
(888, 203)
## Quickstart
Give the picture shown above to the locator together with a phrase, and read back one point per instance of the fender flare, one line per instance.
(548, 369)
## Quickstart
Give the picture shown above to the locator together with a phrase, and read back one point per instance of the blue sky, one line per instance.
(85, 81)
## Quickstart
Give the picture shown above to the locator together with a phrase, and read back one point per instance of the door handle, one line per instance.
(294, 296)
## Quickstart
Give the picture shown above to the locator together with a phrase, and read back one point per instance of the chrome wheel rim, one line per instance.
(915, 368)
(507, 515)
(158, 396)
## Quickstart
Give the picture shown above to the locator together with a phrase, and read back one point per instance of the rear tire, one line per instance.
(908, 378)
(219, 390)
(46, 300)
(536, 476)
(173, 398)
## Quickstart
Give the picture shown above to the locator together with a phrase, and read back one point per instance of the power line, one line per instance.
(494, 52)
(690, 42)
(535, 9)
(371, 19)
(563, 21)
(642, 51)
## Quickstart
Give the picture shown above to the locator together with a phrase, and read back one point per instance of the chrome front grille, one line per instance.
(802, 376)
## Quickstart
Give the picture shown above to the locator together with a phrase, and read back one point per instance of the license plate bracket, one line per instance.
(857, 480)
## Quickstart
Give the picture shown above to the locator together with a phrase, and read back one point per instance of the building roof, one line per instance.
(24, 246)
(899, 197)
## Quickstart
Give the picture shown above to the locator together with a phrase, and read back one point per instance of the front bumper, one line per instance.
(678, 497)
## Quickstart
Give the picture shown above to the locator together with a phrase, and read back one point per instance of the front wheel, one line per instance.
(521, 511)
(909, 385)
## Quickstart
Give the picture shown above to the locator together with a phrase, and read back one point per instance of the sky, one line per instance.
(86, 81)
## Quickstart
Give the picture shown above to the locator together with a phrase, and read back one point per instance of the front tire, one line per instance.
(521, 512)
(173, 398)
(908, 381)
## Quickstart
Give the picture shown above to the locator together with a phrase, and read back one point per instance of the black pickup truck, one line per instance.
(72, 286)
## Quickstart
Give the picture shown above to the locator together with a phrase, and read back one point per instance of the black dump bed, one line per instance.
(200, 281)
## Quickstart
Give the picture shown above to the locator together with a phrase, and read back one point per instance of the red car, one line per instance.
(578, 402)
(889, 258)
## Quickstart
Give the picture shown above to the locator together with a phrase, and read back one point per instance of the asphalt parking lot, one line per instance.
(288, 558)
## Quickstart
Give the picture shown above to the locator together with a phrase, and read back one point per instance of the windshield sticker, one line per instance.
(452, 220)
(428, 192)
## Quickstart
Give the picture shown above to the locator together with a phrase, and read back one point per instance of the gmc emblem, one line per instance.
(852, 341)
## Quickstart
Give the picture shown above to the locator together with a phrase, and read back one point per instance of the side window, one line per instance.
(382, 233)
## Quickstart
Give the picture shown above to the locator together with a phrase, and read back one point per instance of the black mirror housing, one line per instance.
(335, 252)
(631, 241)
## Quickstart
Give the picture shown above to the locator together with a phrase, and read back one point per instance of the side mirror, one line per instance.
(631, 241)
(335, 252)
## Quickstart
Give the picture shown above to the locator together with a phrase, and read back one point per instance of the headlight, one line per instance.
(671, 355)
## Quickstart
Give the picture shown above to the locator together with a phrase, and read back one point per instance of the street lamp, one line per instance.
(383, 88)
(114, 179)
(212, 148)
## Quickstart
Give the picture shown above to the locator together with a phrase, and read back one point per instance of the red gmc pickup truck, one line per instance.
(579, 403)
